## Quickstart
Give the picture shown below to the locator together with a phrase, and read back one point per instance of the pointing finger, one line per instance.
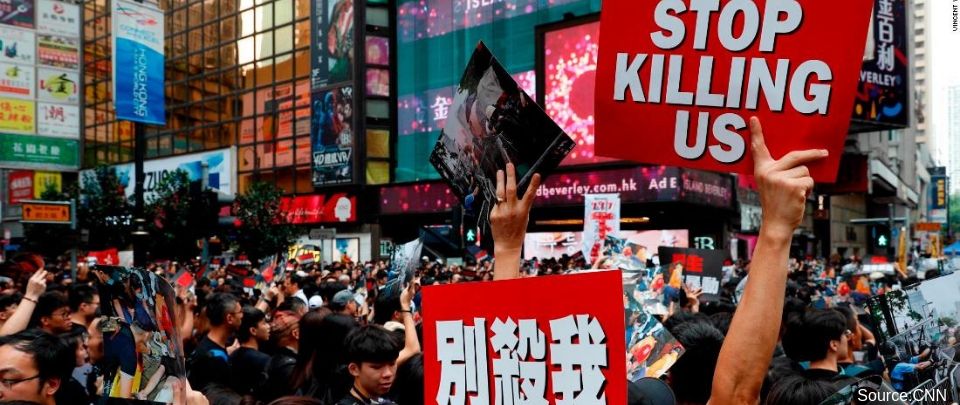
(800, 157)
(761, 154)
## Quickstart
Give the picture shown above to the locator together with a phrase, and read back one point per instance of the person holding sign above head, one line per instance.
(784, 185)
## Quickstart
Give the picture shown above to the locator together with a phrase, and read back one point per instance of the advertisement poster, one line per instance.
(17, 116)
(601, 218)
(320, 208)
(939, 198)
(39, 152)
(494, 122)
(332, 133)
(565, 350)
(281, 112)
(18, 13)
(333, 47)
(46, 180)
(220, 171)
(17, 46)
(882, 93)
(58, 18)
(58, 120)
(17, 81)
(646, 243)
(59, 52)
(346, 250)
(19, 186)
(700, 268)
(58, 86)
(138, 48)
(689, 82)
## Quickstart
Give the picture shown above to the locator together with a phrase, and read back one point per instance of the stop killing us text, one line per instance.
(805, 87)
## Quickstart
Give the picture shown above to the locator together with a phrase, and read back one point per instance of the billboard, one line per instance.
(220, 171)
(939, 199)
(17, 116)
(19, 186)
(17, 46)
(58, 120)
(18, 13)
(332, 50)
(58, 51)
(58, 86)
(320, 208)
(17, 81)
(639, 184)
(138, 48)
(39, 152)
(556, 244)
(58, 18)
(332, 136)
(883, 94)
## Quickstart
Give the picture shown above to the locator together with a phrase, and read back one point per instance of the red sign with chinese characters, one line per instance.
(319, 208)
(533, 338)
(19, 186)
(678, 80)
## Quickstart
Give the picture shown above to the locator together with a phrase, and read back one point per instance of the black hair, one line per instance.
(9, 300)
(372, 344)
(296, 279)
(808, 335)
(384, 308)
(251, 318)
(218, 306)
(48, 302)
(408, 385)
(294, 304)
(799, 390)
(81, 294)
(691, 377)
(323, 356)
(54, 359)
(682, 317)
(721, 321)
(848, 313)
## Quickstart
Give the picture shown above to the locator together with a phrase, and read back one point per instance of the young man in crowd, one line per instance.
(286, 334)
(33, 366)
(293, 286)
(248, 363)
(84, 305)
(52, 314)
(372, 361)
(820, 337)
(225, 316)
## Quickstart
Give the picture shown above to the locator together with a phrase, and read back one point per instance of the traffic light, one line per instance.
(880, 236)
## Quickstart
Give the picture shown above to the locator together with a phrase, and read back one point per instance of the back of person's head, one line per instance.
(808, 335)
(54, 359)
(48, 303)
(331, 343)
(297, 279)
(721, 321)
(372, 344)
(219, 305)
(251, 318)
(384, 308)
(9, 299)
(692, 375)
(799, 390)
(293, 304)
(850, 316)
(81, 294)
(219, 394)
(682, 317)
(311, 336)
(408, 385)
(292, 400)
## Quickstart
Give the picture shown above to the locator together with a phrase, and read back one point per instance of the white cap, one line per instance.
(315, 302)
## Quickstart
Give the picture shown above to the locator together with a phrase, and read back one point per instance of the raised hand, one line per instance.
(508, 221)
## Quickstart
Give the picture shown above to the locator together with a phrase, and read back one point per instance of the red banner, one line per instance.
(19, 186)
(571, 349)
(677, 80)
(109, 257)
(318, 209)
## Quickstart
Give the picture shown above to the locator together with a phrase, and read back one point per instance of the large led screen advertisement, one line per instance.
(435, 40)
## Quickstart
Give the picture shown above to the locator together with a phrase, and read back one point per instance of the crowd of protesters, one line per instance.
(344, 334)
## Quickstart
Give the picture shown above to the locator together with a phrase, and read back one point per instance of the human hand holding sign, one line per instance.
(784, 186)
(508, 222)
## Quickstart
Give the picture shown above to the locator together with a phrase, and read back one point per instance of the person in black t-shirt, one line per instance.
(210, 358)
(248, 363)
(372, 355)
(286, 332)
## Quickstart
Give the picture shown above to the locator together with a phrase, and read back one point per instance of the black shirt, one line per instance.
(208, 363)
(279, 373)
(354, 398)
(249, 368)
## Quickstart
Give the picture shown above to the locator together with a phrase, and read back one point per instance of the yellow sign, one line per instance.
(941, 192)
(46, 212)
(43, 180)
(19, 116)
(928, 226)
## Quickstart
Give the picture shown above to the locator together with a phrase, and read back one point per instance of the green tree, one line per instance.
(104, 212)
(948, 321)
(50, 240)
(954, 215)
(179, 214)
(263, 228)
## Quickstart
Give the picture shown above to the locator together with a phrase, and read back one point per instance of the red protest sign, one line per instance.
(677, 80)
(527, 338)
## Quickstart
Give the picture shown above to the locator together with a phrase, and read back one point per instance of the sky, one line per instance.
(946, 68)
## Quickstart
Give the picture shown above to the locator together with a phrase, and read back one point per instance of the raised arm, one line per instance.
(411, 344)
(745, 356)
(508, 222)
(21, 317)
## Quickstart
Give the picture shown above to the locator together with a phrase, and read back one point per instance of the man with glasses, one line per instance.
(818, 336)
(52, 313)
(210, 359)
(33, 366)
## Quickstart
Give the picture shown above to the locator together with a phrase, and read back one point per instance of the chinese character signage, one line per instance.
(333, 42)
(939, 199)
(59, 52)
(16, 80)
(677, 83)
(513, 349)
(58, 120)
(17, 46)
(333, 137)
(59, 18)
(138, 62)
(601, 218)
(18, 116)
(882, 95)
(39, 152)
(58, 86)
(19, 186)
(18, 13)
(46, 180)
(700, 268)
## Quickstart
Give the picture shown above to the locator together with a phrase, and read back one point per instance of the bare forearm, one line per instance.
(20, 318)
(748, 348)
(411, 343)
(507, 264)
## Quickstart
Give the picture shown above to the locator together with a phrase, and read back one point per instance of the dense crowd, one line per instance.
(346, 333)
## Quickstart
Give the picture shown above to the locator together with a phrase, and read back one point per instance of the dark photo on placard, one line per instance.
(493, 122)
